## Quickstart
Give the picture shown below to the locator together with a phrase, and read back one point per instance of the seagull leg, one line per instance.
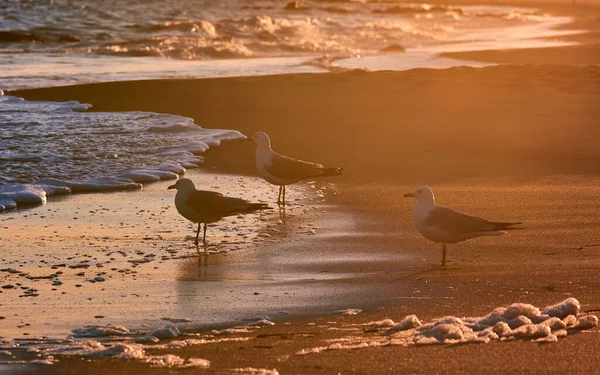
(204, 237)
(444, 248)
(282, 215)
(284, 195)
(197, 234)
(279, 195)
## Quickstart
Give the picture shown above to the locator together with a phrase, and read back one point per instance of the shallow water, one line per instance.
(129, 259)
(51, 148)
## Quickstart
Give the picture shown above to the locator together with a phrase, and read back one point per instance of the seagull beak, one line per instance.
(408, 195)
(172, 187)
(249, 139)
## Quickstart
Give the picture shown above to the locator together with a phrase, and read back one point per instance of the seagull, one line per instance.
(204, 207)
(445, 225)
(282, 170)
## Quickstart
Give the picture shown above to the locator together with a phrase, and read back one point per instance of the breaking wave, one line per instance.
(92, 151)
(202, 29)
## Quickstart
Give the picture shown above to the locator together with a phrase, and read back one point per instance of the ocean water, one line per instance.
(58, 148)
(49, 148)
(204, 29)
(55, 42)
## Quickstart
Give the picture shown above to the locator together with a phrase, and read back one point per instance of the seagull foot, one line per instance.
(446, 266)
(208, 248)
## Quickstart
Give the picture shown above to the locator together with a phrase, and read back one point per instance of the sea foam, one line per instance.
(119, 342)
(518, 321)
(50, 148)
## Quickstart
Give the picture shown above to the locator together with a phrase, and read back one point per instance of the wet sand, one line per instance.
(128, 258)
(507, 142)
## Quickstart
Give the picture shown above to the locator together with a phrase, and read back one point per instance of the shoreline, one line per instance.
(513, 142)
(222, 102)
(470, 142)
(136, 265)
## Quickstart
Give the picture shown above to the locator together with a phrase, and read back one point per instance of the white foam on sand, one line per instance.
(100, 331)
(231, 331)
(12, 196)
(260, 323)
(114, 349)
(349, 312)
(90, 185)
(94, 349)
(208, 339)
(255, 371)
(167, 332)
(518, 321)
(245, 328)
(176, 320)
(119, 342)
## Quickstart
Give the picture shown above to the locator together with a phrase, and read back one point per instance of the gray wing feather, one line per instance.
(215, 204)
(458, 222)
(287, 168)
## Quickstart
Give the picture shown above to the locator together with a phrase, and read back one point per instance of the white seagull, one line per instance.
(445, 225)
(202, 207)
(282, 170)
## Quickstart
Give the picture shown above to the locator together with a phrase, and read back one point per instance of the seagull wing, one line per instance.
(460, 223)
(216, 204)
(287, 168)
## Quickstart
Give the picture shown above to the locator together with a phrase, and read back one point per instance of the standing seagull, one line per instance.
(445, 225)
(282, 170)
(204, 207)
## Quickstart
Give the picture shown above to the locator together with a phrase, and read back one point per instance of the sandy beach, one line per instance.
(508, 143)
(296, 291)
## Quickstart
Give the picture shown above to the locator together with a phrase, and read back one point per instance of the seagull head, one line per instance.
(183, 185)
(261, 139)
(422, 194)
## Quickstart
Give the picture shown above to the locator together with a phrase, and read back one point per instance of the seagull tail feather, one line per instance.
(257, 207)
(332, 171)
(505, 226)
